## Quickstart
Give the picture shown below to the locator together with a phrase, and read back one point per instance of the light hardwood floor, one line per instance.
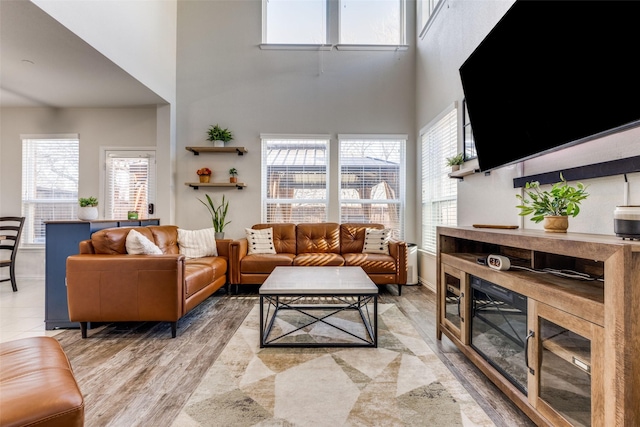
(137, 375)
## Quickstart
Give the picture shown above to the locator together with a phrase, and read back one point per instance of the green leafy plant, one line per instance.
(458, 159)
(88, 201)
(561, 200)
(216, 133)
(233, 171)
(218, 213)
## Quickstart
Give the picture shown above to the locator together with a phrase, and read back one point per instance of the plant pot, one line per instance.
(218, 143)
(87, 213)
(233, 179)
(556, 224)
(205, 178)
(455, 168)
(219, 235)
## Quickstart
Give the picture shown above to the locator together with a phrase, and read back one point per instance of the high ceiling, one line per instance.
(42, 63)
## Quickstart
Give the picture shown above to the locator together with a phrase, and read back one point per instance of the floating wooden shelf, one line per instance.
(461, 173)
(196, 185)
(197, 150)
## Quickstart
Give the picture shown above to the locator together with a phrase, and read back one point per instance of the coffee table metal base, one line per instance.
(277, 304)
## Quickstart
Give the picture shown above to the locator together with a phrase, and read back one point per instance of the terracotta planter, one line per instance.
(556, 224)
(233, 179)
(205, 178)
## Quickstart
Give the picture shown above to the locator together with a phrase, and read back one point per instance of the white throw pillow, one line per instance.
(137, 244)
(376, 241)
(197, 243)
(260, 241)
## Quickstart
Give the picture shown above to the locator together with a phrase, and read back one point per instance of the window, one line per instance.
(294, 21)
(439, 140)
(49, 182)
(372, 22)
(372, 180)
(129, 182)
(294, 178)
(425, 10)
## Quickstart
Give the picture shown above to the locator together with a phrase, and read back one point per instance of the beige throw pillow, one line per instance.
(260, 241)
(197, 243)
(137, 244)
(376, 241)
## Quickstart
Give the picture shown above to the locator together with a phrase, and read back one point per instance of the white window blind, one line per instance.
(49, 183)
(372, 180)
(295, 187)
(372, 22)
(129, 182)
(439, 140)
(294, 21)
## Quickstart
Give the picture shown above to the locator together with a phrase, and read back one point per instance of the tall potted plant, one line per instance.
(88, 209)
(218, 215)
(554, 206)
(219, 136)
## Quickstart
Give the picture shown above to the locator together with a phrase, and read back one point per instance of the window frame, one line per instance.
(400, 200)
(445, 194)
(30, 236)
(402, 30)
(265, 201)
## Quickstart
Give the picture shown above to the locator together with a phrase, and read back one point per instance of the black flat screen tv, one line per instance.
(552, 74)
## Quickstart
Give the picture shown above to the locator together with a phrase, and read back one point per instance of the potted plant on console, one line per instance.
(88, 209)
(218, 215)
(219, 136)
(554, 206)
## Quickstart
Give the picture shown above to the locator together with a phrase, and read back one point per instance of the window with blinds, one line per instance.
(439, 140)
(129, 182)
(295, 187)
(372, 180)
(49, 183)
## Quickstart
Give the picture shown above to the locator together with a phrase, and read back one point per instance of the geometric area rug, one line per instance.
(400, 383)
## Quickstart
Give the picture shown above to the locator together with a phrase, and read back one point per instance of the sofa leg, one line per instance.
(83, 329)
(174, 329)
(399, 289)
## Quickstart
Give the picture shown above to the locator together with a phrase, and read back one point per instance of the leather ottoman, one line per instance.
(37, 386)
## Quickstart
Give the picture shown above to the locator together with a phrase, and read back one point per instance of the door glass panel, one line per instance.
(452, 300)
(565, 372)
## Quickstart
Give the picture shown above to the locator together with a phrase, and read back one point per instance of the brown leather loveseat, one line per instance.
(106, 284)
(318, 244)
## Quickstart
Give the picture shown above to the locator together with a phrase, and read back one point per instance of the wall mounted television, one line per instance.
(552, 74)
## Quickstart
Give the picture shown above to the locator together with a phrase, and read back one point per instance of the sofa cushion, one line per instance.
(372, 263)
(318, 259)
(166, 237)
(113, 241)
(137, 244)
(197, 243)
(376, 241)
(318, 238)
(260, 241)
(352, 236)
(201, 272)
(264, 263)
(284, 236)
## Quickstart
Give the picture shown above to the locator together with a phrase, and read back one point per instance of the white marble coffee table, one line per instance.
(334, 292)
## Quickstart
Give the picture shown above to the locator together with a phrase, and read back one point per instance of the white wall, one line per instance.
(457, 30)
(97, 127)
(224, 78)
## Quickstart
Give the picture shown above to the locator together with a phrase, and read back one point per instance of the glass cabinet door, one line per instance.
(565, 363)
(454, 306)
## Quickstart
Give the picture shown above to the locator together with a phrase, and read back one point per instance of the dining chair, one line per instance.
(10, 231)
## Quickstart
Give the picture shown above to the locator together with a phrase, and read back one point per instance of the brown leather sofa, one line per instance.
(317, 244)
(105, 284)
(37, 385)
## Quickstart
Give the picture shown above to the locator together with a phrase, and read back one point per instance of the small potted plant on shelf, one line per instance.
(204, 174)
(233, 175)
(455, 161)
(88, 209)
(218, 215)
(219, 136)
(554, 206)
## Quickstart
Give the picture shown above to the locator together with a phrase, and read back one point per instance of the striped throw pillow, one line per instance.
(197, 243)
(376, 241)
(260, 241)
